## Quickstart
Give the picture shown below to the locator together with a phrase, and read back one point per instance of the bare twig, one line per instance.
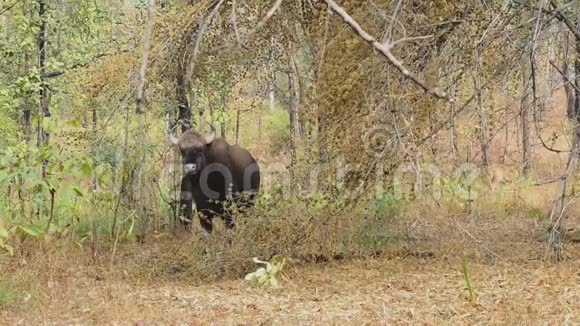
(460, 227)
(386, 51)
(9, 7)
(389, 32)
(411, 39)
(393, 19)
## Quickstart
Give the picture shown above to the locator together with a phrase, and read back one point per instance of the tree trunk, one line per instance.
(146, 45)
(558, 214)
(184, 107)
(237, 125)
(272, 87)
(223, 119)
(294, 93)
(27, 101)
(570, 92)
(577, 76)
(525, 106)
(294, 98)
(44, 109)
(483, 140)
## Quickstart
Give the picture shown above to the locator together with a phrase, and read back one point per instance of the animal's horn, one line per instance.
(170, 135)
(211, 137)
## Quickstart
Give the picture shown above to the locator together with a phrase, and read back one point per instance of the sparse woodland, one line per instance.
(418, 160)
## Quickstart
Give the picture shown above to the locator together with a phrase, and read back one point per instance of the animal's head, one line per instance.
(192, 146)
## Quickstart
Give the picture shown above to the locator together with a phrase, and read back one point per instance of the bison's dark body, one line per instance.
(223, 174)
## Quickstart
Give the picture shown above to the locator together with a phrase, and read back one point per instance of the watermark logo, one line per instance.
(379, 141)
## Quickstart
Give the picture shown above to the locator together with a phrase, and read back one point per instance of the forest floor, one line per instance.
(511, 281)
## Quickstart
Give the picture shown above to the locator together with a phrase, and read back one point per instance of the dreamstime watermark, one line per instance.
(352, 180)
(409, 177)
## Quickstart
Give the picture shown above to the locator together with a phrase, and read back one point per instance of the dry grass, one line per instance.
(420, 284)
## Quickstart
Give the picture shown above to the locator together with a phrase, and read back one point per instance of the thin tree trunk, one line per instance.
(223, 120)
(42, 58)
(453, 128)
(259, 126)
(27, 101)
(237, 125)
(507, 135)
(294, 97)
(526, 104)
(294, 91)
(145, 56)
(272, 87)
(570, 92)
(577, 76)
(482, 124)
(44, 109)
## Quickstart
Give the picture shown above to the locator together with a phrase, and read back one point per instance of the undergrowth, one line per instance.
(290, 228)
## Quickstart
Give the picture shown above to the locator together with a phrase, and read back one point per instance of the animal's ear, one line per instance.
(170, 135)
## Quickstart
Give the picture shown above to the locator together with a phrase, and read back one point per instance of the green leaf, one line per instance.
(8, 248)
(31, 230)
(87, 169)
(4, 233)
(78, 192)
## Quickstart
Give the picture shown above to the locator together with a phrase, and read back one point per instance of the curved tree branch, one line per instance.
(385, 49)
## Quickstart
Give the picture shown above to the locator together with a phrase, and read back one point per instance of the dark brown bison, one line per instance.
(215, 176)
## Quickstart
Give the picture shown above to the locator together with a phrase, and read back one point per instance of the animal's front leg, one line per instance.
(186, 202)
(206, 223)
(228, 220)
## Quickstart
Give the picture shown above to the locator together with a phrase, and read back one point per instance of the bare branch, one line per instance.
(545, 182)
(565, 19)
(393, 19)
(564, 76)
(386, 51)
